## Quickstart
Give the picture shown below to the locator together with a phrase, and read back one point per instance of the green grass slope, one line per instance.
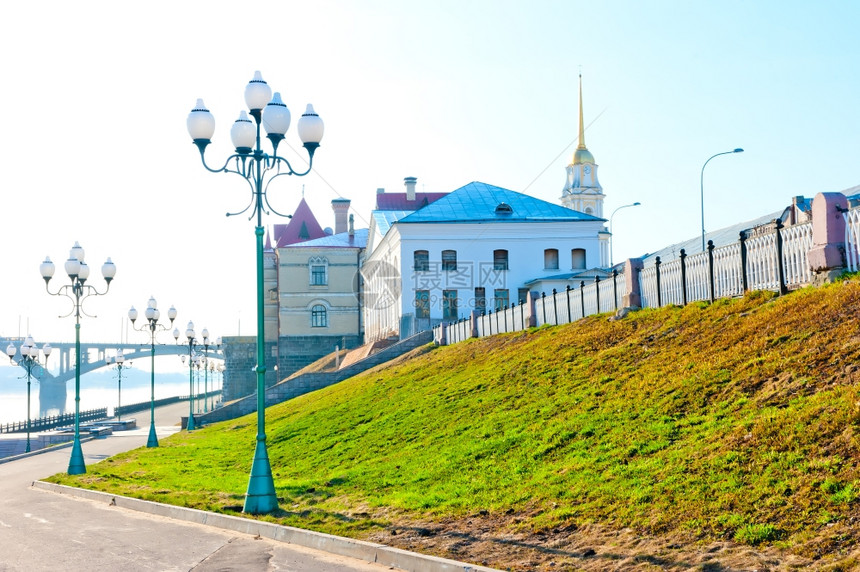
(734, 421)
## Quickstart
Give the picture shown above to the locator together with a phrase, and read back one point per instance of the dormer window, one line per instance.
(504, 209)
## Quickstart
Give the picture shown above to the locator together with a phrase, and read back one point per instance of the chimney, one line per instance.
(351, 226)
(380, 191)
(410, 187)
(341, 211)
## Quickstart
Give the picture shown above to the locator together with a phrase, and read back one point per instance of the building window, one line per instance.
(449, 304)
(550, 259)
(318, 271)
(577, 259)
(501, 298)
(319, 316)
(421, 261)
(500, 260)
(422, 303)
(480, 299)
(449, 260)
(522, 294)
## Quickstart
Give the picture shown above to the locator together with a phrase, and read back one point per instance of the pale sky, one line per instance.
(96, 94)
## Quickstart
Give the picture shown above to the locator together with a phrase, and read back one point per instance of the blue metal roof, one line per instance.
(384, 219)
(340, 240)
(479, 202)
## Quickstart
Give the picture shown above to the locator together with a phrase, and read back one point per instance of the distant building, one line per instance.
(474, 248)
(318, 292)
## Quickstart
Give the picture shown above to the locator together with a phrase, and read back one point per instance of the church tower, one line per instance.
(582, 191)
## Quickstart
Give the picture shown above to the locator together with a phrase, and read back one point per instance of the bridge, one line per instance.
(52, 388)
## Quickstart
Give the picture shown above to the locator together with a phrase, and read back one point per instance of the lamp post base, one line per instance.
(76, 463)
(261, 498)
(153, 440)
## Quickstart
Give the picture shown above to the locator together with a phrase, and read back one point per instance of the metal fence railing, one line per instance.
(768, 257)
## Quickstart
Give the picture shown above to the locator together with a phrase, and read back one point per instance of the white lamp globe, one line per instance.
(243, 133)
(200, 122)
(108, 270)
(310, 126)
(132, 314)
(276, 116)
(47, 268)
(257, 93)
(72, 267)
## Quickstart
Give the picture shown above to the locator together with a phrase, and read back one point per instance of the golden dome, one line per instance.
(582, 156)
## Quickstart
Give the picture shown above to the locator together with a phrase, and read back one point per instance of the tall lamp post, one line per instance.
(192, 341)
(29, 359)
(611, 259)
(152, 315)
(702, 187)
(77, 291)
(119, 360)
(206, 368)
(258, 168)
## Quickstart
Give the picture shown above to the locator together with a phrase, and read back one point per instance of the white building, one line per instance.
(477, 247)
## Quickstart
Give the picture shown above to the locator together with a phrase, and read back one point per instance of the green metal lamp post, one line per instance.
(193, 342)
(152, 315)
(29, 359)
(258, 168)
(119, 360)
(77, 291)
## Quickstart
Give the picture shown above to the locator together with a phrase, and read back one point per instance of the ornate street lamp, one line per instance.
(77, 291)
(702, 187)
(29, 359)
(152, 315)
(636, 204)
(193, 343)
(258, 168)
(119, 360)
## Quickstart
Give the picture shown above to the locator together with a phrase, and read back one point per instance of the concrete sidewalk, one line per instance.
(87, 531)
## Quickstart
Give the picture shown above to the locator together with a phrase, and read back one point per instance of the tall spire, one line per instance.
(581, 122)
(582, 154)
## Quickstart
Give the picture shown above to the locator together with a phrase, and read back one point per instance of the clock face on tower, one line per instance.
(587, 169)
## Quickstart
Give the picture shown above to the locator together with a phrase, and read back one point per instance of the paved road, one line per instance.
(41, 530)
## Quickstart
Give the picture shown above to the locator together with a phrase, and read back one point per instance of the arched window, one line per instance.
(449, 260)
(550, 259)
(500, 260)
(319, 316)
(504, 209)
(318, 268)
(577, 259)
(421, 261)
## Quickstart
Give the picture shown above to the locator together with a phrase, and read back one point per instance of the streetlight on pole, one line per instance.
(258, 168)
(119, 360)
(152, 315)
(77, 292)
(193, 342)
(28, 360)
(636, 204)
(702, 187)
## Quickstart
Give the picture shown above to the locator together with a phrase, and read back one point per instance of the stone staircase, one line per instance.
(308, 382)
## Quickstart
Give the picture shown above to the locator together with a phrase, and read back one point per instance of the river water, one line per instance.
(98, 389)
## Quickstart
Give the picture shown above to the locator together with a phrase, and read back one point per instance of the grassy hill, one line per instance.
(715, 436)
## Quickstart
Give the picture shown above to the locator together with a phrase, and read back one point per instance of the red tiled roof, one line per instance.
(303, 226)
(399, 202)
